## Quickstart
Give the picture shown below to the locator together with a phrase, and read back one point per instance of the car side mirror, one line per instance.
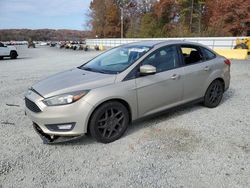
(147, 70)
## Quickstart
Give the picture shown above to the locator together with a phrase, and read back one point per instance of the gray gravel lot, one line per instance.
(188, 147)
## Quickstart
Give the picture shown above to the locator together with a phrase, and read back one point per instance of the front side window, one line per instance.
(163, 59)
(116, 60)
(191, 55)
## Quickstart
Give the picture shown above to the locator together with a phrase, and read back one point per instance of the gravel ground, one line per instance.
(188, 147)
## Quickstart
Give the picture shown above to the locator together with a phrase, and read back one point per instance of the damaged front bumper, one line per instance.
(52, 139)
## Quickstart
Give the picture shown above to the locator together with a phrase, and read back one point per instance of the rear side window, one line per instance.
(208, 54)
(191, 54)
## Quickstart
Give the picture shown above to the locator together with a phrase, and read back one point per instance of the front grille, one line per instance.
(32, 106)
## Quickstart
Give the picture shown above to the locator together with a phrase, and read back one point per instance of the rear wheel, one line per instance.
(241, 46)
(214, 94)
(109, 122)
(13, 55)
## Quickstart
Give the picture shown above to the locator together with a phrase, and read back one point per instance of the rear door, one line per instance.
(163, 89)
(196, 71)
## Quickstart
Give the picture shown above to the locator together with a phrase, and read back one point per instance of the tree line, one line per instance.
(169, 18)
(42, 35)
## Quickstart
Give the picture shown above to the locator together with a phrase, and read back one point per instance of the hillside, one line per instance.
(42, 34)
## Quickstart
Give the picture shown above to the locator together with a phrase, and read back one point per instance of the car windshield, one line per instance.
(115, 60)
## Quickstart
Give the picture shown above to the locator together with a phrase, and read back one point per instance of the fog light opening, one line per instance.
(61, 127)
(65, 127)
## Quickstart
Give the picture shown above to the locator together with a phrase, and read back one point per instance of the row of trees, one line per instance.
(169, 18)
(42, 35)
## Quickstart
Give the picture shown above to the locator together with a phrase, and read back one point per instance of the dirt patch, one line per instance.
(172, 139)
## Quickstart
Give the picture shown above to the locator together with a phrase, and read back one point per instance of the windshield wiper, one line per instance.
(88, 69)
(108, 71)
(105, 71)
(94, 70)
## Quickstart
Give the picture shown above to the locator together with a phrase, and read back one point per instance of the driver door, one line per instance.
(163, 89)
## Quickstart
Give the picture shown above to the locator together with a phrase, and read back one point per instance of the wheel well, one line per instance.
(117, 100)
(223, 82)
(13, 51)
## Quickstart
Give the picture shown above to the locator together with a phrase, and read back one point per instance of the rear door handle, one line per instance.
(175, 76)
(207, 68)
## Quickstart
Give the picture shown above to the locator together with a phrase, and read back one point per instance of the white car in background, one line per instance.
(8, 51)
(43, 43)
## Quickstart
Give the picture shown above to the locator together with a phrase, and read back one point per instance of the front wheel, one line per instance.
(109, 122)
(214, 94)
(13, 55)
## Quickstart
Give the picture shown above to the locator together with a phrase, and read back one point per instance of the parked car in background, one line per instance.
(43, 43)
(8, 51)
(104, 95)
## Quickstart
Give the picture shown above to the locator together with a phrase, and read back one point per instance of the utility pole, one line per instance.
(121, 21)
(200, 11)
(123, 4)
(200, 17)
(191, 16)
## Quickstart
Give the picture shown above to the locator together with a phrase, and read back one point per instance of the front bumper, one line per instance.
(52, 139)
(77, 113)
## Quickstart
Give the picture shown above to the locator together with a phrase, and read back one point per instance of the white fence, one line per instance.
(212, 42)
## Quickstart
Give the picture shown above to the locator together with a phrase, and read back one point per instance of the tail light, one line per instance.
(227, 62)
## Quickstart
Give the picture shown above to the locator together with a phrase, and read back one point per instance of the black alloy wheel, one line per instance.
(109, 122)
(214, 94)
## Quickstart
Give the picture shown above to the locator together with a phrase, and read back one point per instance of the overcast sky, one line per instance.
(37, 14)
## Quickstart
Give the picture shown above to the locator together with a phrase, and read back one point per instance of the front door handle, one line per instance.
(207, 68)
(175, 76)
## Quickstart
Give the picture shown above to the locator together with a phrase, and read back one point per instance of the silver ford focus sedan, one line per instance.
(103, 96)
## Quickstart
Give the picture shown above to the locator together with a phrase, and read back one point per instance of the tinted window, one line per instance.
(1, 44)
(208, 54)
(191, 55)
(163, 59)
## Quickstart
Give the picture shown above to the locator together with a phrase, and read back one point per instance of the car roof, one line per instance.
(152, 43)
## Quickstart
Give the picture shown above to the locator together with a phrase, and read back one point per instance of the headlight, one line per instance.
(63, 99)
(28, 92)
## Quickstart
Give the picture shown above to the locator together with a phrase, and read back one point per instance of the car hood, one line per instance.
(72, 80)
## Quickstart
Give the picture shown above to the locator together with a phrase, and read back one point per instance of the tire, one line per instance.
(109, 122)
(241, 46)
(214, 94)
(13, 55)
